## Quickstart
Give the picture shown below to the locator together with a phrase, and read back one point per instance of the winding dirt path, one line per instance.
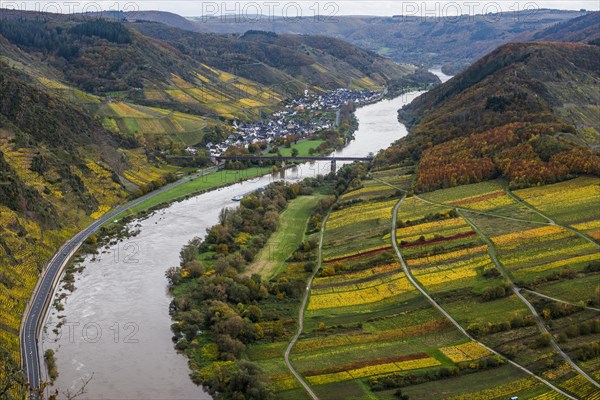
(550, 220)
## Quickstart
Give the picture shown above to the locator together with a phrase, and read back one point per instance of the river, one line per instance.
(116, 323)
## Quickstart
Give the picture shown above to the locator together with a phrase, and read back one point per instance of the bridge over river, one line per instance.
(283, 159)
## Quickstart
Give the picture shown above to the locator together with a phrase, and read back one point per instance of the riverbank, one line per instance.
(247, 307)
(127, 283)
(202, 184)
(47, 286)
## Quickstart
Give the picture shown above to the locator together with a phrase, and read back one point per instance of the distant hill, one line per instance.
(527, 111)
(208, 75)
(270, 58)
(106, 58)
(582, 29)
(406, 39)
(163, 17)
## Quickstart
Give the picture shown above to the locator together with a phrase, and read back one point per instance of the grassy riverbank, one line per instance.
(248, 275)
(286, 239)
(199, 185)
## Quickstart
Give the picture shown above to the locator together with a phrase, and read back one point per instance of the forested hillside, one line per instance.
(269, 58)
(411, 38)
(104, 57)
(527, 111)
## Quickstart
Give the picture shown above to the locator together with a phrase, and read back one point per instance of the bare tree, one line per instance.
(223, 214)
(73, 395)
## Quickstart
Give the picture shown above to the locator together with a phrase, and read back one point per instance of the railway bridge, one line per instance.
(283, 159)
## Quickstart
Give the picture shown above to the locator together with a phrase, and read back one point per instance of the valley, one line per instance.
(181, 222)
(150, 248)
(77, 141)
(414, 35)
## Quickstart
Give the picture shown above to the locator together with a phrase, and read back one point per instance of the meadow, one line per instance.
(289, 235)
(200, 184)
(303, 148)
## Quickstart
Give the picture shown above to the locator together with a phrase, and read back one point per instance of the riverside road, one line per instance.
(41, 298)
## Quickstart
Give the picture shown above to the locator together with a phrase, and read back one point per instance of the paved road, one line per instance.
(448, 316)
(42, 296)
(301, 315)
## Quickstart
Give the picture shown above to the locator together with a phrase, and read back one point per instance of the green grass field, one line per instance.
(286, 239)
(207, 182)
(302, 147)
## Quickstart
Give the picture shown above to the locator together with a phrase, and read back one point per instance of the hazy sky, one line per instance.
(306, 8)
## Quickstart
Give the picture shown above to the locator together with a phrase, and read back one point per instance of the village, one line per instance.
(302, 117)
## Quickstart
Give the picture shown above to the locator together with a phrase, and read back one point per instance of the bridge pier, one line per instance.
(276, 159)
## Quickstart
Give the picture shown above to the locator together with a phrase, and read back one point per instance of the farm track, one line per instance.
(447, 315)
(517, 290)
(439, 307)
(516, 198)
(309, 282)
(422, 290)
(550, 220)
(559, 300)
(459, 208)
